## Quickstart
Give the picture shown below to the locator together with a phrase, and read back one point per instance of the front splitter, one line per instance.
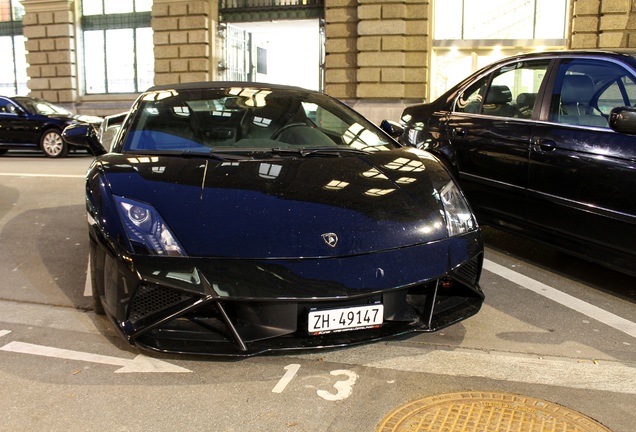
(486, 411)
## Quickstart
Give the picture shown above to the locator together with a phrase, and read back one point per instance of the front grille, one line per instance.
(150, 299)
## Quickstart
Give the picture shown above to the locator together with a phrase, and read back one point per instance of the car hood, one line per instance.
(288, 207)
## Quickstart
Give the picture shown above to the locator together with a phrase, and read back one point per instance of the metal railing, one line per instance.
(268, 4)
(263, 10)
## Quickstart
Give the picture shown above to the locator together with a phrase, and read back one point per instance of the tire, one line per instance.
(52, 144)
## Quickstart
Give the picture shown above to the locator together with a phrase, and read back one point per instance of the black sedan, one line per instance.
(28, 123)
(544, 146)
(234, 219)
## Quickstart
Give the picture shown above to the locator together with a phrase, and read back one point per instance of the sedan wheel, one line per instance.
(53, 145)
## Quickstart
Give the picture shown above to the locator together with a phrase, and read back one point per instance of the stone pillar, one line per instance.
(341, 34)
(184, 38)
(377, 54)
(607, 24)
(49, 31)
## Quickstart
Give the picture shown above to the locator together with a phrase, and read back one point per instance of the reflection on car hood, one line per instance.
(288, 207)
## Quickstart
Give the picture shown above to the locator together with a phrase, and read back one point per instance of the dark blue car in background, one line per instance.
(34, 124)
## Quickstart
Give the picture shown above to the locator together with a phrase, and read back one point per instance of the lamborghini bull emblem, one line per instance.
(331, 239)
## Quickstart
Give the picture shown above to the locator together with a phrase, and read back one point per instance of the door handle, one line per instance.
(544, 145)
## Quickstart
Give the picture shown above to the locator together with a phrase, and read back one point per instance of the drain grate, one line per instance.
(485, 412)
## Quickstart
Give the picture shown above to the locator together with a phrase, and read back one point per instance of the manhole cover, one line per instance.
(485, 412)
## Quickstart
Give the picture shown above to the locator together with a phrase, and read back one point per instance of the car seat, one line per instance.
(576, 95)
(525, 104)
(498, 100)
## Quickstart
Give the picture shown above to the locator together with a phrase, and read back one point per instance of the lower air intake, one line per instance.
(152, 299)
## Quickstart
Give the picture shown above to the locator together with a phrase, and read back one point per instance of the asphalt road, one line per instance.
(553, 327)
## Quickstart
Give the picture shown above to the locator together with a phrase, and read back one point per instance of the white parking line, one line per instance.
(567, 300)
(42, 175)
(140, 364)
(587, 375)
(601, 375)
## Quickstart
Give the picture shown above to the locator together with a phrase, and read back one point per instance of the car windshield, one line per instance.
(240, 119)
(39, 106)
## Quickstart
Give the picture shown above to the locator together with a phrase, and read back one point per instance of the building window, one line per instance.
(117, 46)
(13, 80)
(500, 19)
(470, 34)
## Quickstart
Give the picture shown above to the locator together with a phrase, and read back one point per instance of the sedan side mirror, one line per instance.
(83, 135)
(392, 128)
(623, 119)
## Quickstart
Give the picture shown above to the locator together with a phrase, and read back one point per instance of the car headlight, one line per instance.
(459, 218)
(145, 228)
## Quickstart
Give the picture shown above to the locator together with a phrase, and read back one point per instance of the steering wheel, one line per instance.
(283, 128)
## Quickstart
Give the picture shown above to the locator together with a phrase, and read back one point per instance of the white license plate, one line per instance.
(343, 319)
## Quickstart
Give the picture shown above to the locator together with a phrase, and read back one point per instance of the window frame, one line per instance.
(113, 21)
(476, 94)
(587, 66)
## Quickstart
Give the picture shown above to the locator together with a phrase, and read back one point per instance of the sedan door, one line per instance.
(16, 128)
(491, 129)
(582, 174)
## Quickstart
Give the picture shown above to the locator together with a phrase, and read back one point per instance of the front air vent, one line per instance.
(468, 272)
(150, 299)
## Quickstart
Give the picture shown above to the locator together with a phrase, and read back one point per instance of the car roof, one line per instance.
(225, 84)
(569, 54)
(628, 57)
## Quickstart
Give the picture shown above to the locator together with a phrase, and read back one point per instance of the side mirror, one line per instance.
(83, 135)
(392, 128)
(623, 119)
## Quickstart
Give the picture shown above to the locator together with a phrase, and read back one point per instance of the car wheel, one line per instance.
(52, 144)
(98, 307)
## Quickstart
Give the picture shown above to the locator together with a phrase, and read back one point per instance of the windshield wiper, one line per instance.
(321, 151)
(211, 154)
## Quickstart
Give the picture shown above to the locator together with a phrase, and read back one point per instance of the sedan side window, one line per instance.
(7, 107)
(586, 91)
(512, 91)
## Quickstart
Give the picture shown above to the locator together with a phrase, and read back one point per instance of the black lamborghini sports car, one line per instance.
(240, 218)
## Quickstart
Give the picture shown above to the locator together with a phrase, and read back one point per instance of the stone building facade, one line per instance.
(377, 51)
(49, 31)
(603, 24)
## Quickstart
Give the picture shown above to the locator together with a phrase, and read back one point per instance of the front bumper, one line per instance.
(244, 307)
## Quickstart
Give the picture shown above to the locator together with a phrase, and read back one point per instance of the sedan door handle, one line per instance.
(544, 145)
